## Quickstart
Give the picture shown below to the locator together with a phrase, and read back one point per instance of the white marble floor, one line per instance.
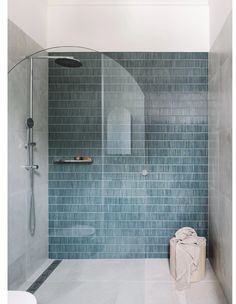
(124, 282)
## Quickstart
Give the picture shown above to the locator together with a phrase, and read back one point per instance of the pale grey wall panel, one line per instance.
(220, 157)
(26, 253)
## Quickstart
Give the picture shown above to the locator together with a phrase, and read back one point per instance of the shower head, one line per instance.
(65, 61)
(30, 123)
(68, 62)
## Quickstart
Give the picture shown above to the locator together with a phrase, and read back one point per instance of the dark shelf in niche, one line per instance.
(73, 161)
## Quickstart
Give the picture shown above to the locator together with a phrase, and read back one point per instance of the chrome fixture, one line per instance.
(31, 167)
(65, 61)
(144, 172)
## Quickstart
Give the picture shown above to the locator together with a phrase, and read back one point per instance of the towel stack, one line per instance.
(187, 255)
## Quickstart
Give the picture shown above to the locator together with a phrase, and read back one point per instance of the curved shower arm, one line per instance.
(48, 57)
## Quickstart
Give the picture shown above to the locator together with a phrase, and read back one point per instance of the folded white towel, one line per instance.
(187, 256)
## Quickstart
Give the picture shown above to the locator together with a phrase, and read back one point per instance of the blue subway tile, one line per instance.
(127, 214)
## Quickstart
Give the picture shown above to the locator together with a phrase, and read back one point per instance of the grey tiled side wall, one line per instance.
(133, 216)
(26, 253)
(220, 157)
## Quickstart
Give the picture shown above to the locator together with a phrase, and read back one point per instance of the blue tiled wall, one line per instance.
(109, 209)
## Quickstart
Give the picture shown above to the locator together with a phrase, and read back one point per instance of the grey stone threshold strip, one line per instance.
(43, 277)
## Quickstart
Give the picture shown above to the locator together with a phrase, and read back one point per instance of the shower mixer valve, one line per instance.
(144, 172)
(31, 167)
(32, 144)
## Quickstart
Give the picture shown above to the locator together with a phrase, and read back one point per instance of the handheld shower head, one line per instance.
(30, 123)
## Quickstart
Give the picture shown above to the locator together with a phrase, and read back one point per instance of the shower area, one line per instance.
(141, 121)
(108, 157)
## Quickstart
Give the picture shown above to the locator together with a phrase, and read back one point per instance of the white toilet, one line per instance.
(21, 297)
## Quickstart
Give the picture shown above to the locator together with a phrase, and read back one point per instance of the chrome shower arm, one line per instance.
(50, 57)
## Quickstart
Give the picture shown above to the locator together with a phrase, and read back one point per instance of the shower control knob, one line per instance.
(144, 173)
(31, 167)
(30, 144)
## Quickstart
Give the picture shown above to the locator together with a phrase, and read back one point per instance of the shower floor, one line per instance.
(123, 282)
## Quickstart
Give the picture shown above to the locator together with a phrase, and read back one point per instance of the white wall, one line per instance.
(219, 11)
(178, 25)
(31, 17)
(112, 25)
(159, 26)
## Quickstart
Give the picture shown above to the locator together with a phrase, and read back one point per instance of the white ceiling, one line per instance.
(129, 2)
